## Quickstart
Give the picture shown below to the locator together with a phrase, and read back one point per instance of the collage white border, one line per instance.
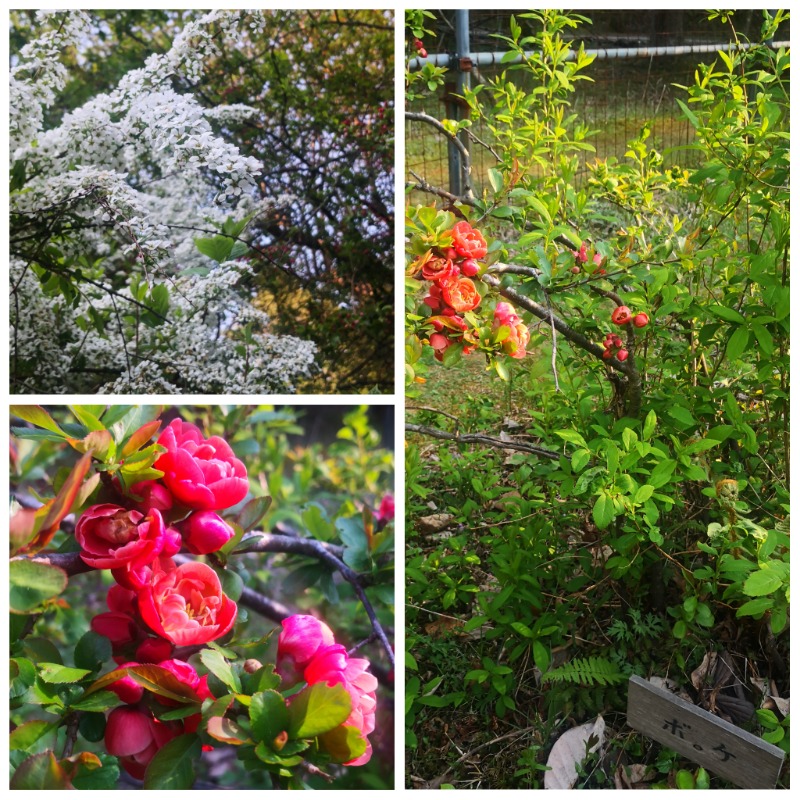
(395, 399)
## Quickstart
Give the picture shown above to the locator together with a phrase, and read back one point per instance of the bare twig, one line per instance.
(465, 159)
(484, 439)
(433, 411)
(437, 782)
(422, 185)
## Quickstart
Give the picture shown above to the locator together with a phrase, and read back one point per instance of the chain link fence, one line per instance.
(641, 61)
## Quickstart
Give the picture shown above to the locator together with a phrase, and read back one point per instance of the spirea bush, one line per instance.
(128, 226)
(169, 667)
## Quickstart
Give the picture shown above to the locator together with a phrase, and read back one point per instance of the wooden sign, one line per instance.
(711, 742)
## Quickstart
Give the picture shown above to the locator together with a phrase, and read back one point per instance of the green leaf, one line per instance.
(92, 724)
(644, 493)
(755, 608)
(58, 673)
(92, 651)
(737, 344)
(33, 582)
(269, 716)
(104, 777)
(232, 583)
(253, 512)
(764, 339)
(682, 415)
(496, 180)
(216, 664)
(541, 656)
(36, 415)
(317, 709)
(29, 733)
(573, 437)
(603, 511)
(344, 743)
(217, 248)
(97, 701)
(761, 583)
(728, 314)
(173, 765)
(662, 473)
(649, 425)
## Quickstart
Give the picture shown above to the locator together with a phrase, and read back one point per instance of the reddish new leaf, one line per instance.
(60, 506)
(140, 437)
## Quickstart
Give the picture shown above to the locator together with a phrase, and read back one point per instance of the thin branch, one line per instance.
(434, 411)
(422, 185)
(466, 160)
(484, 439)
(437, 782)
(275, 543)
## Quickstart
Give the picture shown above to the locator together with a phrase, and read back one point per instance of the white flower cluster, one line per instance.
(40, 75)
(122, 187)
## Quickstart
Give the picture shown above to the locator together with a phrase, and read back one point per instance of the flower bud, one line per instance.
(205, 532)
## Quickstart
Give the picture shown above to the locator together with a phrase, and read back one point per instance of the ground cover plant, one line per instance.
(598, 431)
(201, 202)
(200, 598)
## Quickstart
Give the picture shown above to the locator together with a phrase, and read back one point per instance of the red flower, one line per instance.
(135, 736)
(437, 269)
(111, 536)
(186, 605)
(461, 294)
(200, 473)
(467, 241)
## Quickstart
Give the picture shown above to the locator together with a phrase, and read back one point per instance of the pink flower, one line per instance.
(186, 605)
(205, 532)
(200, 473)
(504, 314)
(111, 536)
(134, 577)
(333, 666)
(581, 255)
(152, 494)
(135, 736)
(301, 638)
(386, 511)
(518, 336)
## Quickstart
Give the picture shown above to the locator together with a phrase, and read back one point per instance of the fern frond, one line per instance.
(590, 671)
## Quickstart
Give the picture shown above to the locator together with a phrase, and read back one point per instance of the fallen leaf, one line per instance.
(570, 750)
(634, 776)
(434, 523)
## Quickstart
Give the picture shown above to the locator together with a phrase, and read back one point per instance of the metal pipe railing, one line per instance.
(489, 59)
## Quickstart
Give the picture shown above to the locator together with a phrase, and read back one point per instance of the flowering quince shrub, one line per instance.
(651, 304)
(116, 285)
(148, 499)
(455, 316)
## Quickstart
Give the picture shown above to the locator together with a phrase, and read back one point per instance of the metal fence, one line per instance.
(634, 84)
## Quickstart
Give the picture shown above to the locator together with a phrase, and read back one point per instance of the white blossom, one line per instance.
(124, 185)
